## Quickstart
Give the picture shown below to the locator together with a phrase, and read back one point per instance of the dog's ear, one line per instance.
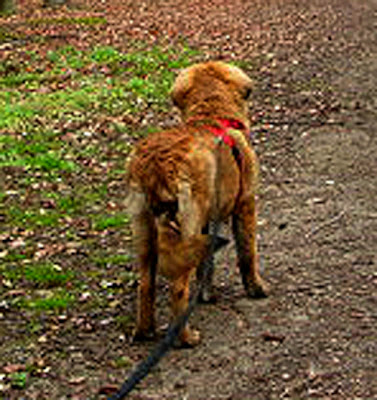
(180, 88)
(243, 83)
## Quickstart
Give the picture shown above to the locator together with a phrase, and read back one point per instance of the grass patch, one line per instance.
(68, 81)
(6, 35)
(122, 362)
(114, 259)
(53, 301)
(11, 272)
(67, 123)
(34, 326)
(103, 222)
(39, 275)
(14, 257)
(18, 379)
(33, 153)
(17, 216)
(90, 21)
(128, 277)
(69, 204)
(47, 275)
(124, 321)
(8, 8)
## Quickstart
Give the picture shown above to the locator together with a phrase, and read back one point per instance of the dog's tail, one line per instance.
(249, 162)
(178, 255)
(180, 248)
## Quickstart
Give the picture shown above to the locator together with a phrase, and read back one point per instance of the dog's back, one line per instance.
(155, 163)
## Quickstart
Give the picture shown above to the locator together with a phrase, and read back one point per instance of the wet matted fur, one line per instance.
(181, 179)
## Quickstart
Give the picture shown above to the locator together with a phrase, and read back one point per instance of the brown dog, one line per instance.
(183, 178)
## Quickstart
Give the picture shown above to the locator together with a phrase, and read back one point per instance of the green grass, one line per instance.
(113, 259)
(18, 216)
(103, 222)
(59, 84)
(18, 379)
(68, 120)
(39, 275)
(124, 321)
(68, 21)
(14, 256)
(33, 153)
(11, 272)
(122, 362)
(64, 137)
(55, 301)
(47, 275)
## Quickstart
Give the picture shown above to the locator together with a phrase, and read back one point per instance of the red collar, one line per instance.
(221, 127)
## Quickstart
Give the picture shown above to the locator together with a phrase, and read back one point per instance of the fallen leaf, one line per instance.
(3, 253)
(77, 380)
(11, 368)
(17, 243)
(42, 339)
(108, 389)
(15, 293)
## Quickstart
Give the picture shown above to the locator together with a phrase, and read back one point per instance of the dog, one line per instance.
(181, 179)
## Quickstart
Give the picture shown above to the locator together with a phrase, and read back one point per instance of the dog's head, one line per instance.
(212, 88)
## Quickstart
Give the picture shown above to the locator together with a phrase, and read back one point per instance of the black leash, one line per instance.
(161, 349)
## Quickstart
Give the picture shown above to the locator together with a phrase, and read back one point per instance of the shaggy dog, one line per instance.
(181, 179)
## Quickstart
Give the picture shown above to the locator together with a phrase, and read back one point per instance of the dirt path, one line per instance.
(314, 119)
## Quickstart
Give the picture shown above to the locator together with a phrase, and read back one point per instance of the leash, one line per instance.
(162, 348)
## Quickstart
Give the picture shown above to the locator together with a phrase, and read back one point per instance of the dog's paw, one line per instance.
(188, 338)
(257, 290)
(143, 336)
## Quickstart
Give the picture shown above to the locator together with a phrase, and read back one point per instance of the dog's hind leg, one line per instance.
(204, 274)
(180, 293)
(177, 259)
(244, 230)
(145, 242)
(181, 249)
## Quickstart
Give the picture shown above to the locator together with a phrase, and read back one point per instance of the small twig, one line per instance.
(324, 224)
(273, 337)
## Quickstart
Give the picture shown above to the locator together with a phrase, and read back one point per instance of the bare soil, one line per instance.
(314, 128)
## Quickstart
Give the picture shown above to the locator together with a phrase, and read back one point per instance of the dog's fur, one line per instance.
(181, 179)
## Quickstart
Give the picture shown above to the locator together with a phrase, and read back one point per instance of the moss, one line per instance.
(89, 21)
